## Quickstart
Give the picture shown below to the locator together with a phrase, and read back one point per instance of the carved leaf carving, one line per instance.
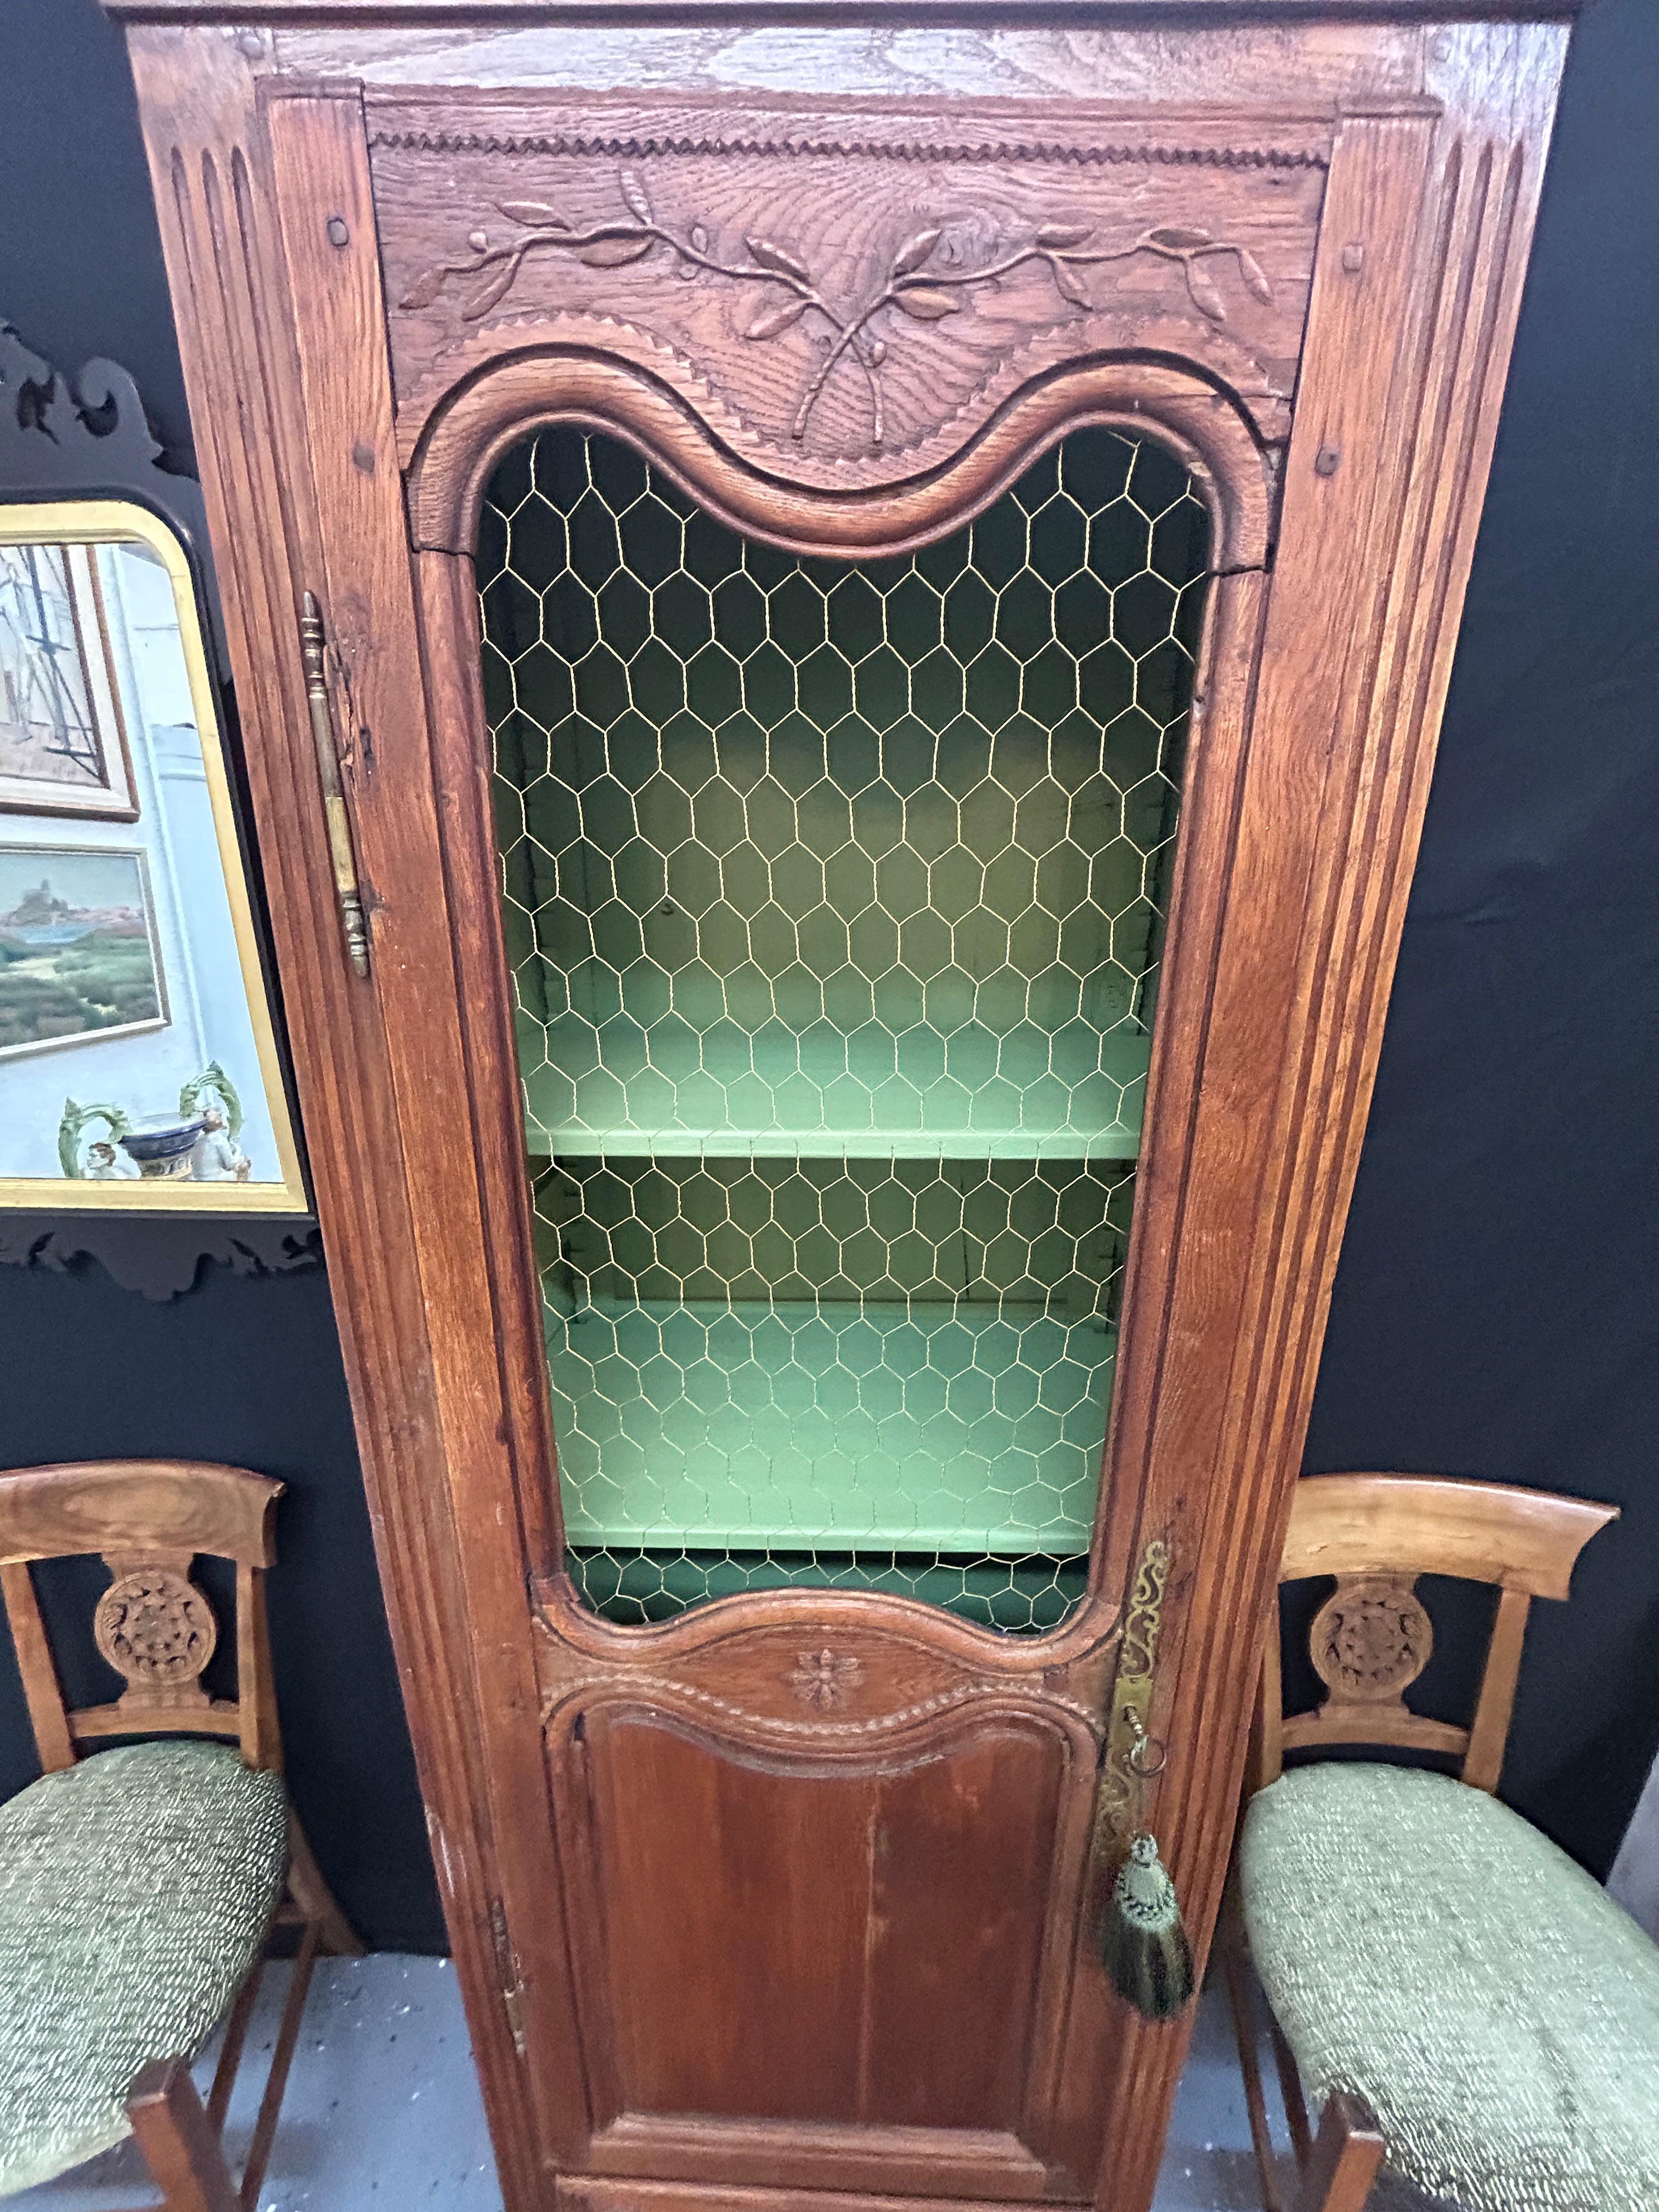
(915, 251)
(1206, 298)
(500, 278)
(1062, 248)
(775, 258)
(927, 304)
(633, 192)
(534, 213)
(777, 319)
(426, 287)
(1069, 284)
(1254, 274)
(613, 252)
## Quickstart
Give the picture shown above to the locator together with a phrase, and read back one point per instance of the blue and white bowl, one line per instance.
(163, 1144)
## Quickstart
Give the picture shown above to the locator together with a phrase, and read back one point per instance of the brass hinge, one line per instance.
(313, 652)
(507, 1969)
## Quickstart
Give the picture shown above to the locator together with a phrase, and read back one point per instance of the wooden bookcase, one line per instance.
(878, 942)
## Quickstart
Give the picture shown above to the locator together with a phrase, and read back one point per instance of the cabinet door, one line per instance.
(835, 899)
(834, 1966)
(885, 661)
(836, 896)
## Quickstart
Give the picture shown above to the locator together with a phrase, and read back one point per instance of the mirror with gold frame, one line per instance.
(138, 1062)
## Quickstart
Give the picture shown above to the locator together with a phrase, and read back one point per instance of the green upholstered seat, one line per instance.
(1421, 1944)
(136, 1889)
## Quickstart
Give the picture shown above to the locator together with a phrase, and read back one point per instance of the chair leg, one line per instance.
(270, 2105)
(178, 2139)
(313, 1897)
(1235, 1963)
(1290, 2088)
(1347, 2153)
(230, 2054)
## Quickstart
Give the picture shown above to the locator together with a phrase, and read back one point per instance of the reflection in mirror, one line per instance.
(138, 1064)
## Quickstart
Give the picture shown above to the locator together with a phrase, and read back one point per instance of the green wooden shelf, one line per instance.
(900, 1426)
(631, 1087)
(1020, 1595)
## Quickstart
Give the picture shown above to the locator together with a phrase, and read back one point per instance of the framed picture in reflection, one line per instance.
(79, 954)
(63, 740)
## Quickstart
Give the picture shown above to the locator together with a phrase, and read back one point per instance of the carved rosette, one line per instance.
(824, 1678)
(155, 1628)
(1370, 1640)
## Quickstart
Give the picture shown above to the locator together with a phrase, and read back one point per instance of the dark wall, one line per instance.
(1494, 1311)
(81, 269)
(1495, 1308)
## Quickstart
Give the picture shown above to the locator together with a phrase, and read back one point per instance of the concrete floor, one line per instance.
(383, 2109)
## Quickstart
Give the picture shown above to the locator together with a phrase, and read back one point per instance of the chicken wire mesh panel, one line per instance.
(834, 896)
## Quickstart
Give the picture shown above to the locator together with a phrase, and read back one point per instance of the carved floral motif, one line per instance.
(824, 1678)
(154, 1627)
(917, 282)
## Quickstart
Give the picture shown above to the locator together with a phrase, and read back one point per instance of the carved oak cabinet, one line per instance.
(863, 596)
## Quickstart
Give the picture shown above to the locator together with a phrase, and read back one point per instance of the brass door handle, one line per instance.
(342, 853)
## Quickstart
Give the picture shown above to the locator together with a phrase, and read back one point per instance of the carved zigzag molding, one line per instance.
(637, 145)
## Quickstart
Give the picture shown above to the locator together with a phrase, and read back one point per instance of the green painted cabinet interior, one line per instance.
(835, 896)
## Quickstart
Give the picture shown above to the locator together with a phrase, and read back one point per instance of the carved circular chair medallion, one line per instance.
(1370, 1639)
(155, 1628)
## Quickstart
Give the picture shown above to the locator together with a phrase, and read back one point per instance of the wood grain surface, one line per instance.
(842, 293)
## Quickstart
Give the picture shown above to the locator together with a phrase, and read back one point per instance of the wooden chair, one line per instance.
(139, 1889)
(1417, 1944)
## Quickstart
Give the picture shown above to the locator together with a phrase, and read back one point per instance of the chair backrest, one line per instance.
(1371, 1638)
(148, 1520)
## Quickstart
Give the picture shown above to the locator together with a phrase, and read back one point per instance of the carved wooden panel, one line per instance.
(157, 1631)
(775, 1954)
(839, 1669)
(842, 295)
(1370, 1640)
